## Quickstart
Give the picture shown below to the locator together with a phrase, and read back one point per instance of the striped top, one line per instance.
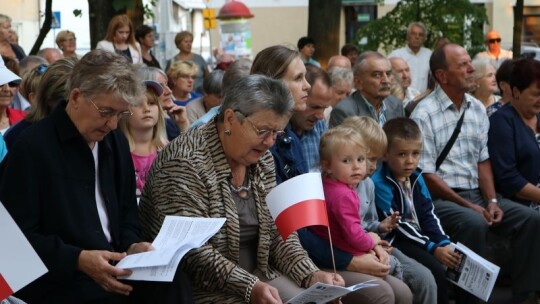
(190, 177)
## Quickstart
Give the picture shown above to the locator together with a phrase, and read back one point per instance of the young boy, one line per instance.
(399, 187)
(415, 275)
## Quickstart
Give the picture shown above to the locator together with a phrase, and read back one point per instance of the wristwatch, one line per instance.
(494, 201)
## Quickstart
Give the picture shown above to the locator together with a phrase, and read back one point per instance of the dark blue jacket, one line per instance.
(389, 197)
(288, 156)
(514, 152)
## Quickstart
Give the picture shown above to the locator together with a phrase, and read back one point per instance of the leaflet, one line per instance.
(177, 236)
(474, 274)
(320, 293)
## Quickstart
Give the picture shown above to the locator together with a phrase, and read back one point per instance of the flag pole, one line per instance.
(332, 250)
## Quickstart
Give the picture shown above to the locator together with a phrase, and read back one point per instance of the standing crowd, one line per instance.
(417, 150)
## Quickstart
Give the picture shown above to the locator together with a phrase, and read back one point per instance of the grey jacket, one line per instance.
(356, 105)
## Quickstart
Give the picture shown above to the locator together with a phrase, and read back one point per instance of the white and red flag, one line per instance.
(19, 263)
(297, 203)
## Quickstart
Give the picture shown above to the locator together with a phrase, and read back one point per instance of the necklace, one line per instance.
(243, 190)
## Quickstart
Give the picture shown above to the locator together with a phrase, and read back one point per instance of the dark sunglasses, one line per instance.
(14, 84)
(498, 40)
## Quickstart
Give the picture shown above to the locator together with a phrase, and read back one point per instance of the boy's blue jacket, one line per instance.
(389, 197)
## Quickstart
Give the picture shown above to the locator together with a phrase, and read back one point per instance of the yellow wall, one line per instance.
(25, 16)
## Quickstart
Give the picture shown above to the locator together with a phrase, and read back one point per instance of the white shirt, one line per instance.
(496, 61)
(101, 208)
(418, 64)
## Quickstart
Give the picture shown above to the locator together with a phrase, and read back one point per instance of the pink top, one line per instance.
(342, 204)
(142, 164)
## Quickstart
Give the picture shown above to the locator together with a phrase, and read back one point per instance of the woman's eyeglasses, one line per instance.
(70, 39)
(263, 134)
(109, 113)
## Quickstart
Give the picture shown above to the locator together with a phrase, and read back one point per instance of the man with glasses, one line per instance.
(494, 52)
(416, 55)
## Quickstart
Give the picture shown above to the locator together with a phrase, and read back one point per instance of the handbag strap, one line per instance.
(450, 142)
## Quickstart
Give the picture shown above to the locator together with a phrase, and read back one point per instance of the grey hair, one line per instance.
(150, 73)
(30, 61)
(417, 24)
(480, 67)
(341, 75)
(102, 71)
(213, 83)
(361, 61)
(256, 93)
(238, 69)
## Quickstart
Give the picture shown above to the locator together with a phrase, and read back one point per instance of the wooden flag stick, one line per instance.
(332, 250)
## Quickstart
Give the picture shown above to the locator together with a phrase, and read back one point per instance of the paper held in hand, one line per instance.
(320, 293)
(177, 236)
(474, 274)
(19, 263)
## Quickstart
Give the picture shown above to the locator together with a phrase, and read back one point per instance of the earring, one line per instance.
(227, 132)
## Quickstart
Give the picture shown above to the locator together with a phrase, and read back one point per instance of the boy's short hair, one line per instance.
(401, 128)
(372, 134)
(339, 136)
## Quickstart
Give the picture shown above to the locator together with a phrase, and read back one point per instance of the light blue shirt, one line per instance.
(206, 117)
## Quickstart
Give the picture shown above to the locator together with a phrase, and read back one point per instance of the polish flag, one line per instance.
(297, 203)
(19, 263)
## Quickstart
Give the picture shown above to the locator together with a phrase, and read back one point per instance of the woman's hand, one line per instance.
(369, 264)
(179, 115)
(389, 223)
(263, 293)
(447, 256)
(327, 277)
(139, 247)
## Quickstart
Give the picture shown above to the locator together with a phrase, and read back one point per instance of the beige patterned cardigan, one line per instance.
(191, 178)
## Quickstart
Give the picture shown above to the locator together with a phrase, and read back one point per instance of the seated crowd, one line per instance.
(108, 144)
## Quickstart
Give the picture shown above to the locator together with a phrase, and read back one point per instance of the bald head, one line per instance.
(402, 71)
(339, 61)
(493, 42)
(50, 54)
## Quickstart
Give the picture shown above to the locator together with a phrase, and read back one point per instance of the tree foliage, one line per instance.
(459, 21)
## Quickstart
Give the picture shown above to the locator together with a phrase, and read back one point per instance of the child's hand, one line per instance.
(447, 256)
(382, 255)
(389, 223)
(386, 246)
(375, 237)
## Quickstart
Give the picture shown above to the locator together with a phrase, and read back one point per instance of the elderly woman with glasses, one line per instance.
(78, 207)
(182, 76)
(224, 169)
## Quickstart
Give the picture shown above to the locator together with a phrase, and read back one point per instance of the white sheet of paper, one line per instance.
(477, 275)
(176, 237)
(320, 293)
(19, 263)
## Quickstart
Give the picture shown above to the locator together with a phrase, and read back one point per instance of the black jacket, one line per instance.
(48, 186)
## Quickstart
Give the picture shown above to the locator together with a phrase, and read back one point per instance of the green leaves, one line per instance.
(460, 21)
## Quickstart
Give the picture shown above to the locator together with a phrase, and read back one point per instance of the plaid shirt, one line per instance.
(437, 117)
(310, 144)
